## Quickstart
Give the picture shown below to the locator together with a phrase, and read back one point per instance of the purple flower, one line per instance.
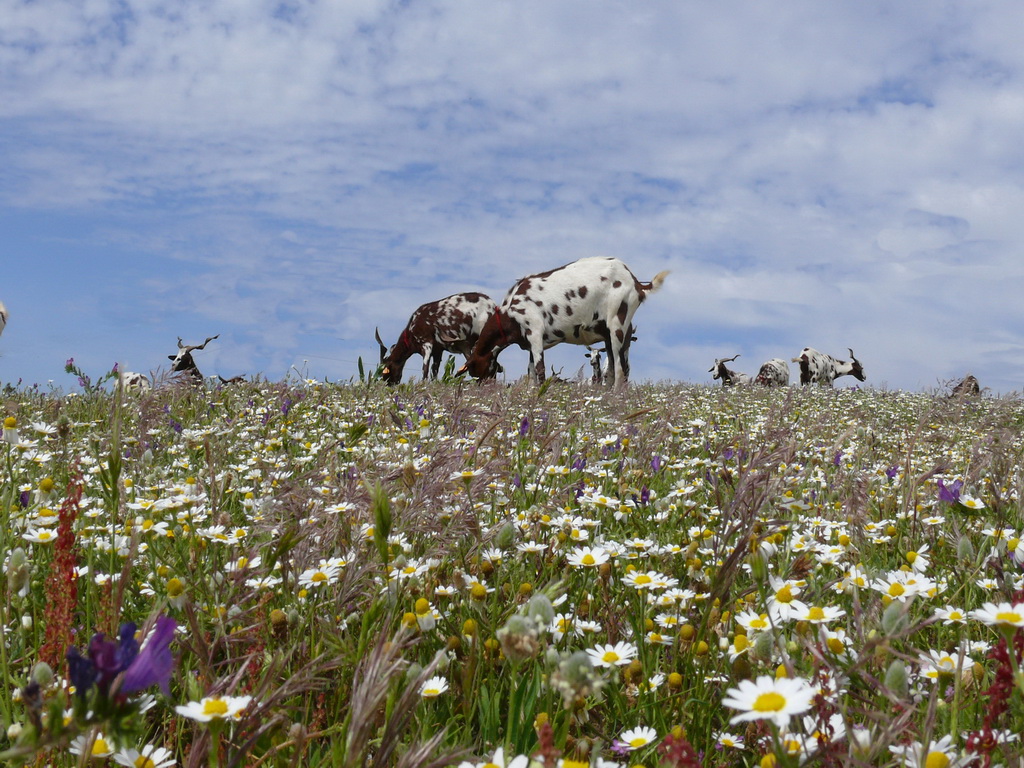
(837, 459)
(154, 662)
(524, 427)
(892, 471)
(655, 463)
(107, 659)
(950, 493)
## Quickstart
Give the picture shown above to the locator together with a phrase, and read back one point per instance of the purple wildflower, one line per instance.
(524, 426)
(655, 463)
(950, 493)
(107, 659)
(837, 459)
(154, 662)
(892, 471)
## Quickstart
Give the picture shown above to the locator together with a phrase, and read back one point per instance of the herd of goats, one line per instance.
(590, 302)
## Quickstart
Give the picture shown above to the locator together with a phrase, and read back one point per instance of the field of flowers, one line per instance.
(313, 574)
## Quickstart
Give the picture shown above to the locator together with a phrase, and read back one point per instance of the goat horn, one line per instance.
(203, 345)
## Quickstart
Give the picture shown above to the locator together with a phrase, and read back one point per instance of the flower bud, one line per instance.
(42, 674)
(896, 679)
(894, 618)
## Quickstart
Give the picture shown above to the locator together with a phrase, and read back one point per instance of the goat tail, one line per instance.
(656, 283)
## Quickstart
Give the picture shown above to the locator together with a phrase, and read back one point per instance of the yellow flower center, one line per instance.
(588, 559)
(144, 762)
(835, 645)
(643, 578)
(610, 656)
(100, 747)
(639, 741)
(936, 760)
(816, 613)
(784, 595)
(215, 708)
(769, 702)
(318, 577)
(895, 590)
(1008, 617)
(911, 556)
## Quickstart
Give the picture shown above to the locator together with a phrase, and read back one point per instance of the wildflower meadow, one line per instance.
(306, 573)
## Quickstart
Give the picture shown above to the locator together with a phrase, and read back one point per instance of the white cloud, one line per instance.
(825, 174)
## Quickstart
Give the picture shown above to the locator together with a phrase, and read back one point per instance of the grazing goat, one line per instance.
(451, 324)
(774, 373)
(586, 302)
(819, 368)
(968, 387)
(729, 377)
(183, 363)
(130, 381)
(3, 317)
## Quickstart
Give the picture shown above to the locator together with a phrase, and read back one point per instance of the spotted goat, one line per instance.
(587, 302)
(130, 381)
(774, 373)
(451, 324)
(819, 368)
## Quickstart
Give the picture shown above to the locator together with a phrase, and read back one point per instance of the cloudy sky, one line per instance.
(293, 174)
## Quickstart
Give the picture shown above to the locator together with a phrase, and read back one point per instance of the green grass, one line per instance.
(414, 505)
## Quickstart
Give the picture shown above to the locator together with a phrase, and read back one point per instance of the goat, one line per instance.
(588, 301)
(819, 368)
(3, 317)
(728, 376)
(183, 363)
(774, 373)
(599, 363)
(130, 381)
(451, 324)
(968, 387)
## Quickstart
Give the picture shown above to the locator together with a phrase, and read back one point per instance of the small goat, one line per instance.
(130, 381)
(451, 324)
(819, 368)
(728, 376)
(968, 387)
(183, 363)
(774, 373)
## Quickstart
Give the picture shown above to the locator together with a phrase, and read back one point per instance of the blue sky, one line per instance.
(292, 175)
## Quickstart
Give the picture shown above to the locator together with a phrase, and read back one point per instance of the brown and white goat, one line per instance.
(819, 368)
(774, 373)
(451, 324)
(586, 302)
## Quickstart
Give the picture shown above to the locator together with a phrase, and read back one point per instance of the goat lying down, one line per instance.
(819, 368)
(774, 373)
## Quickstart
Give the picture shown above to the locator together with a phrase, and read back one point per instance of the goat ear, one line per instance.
(852, 356)
(171, 357)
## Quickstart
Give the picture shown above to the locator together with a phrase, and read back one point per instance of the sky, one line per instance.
(292, 175)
